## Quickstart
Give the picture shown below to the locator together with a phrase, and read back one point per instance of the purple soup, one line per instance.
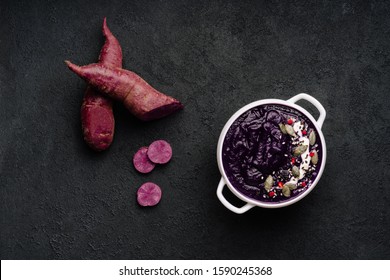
(272, 153)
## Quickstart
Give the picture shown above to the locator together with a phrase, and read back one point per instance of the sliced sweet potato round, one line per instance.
(149, 194)
(160, 152)
(141, 161)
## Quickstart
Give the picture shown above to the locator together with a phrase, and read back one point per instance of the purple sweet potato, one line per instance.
(149, 194)
(97, 118)
(141, 161)
(160, 152)
(141, 99)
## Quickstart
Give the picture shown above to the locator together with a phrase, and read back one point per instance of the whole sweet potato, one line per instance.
(141, 99)
(97, 117)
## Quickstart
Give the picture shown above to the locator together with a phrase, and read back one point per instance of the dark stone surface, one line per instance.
(60, 200)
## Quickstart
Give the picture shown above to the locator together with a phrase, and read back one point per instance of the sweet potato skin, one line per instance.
(111, 52)
(140, 98)
(97, 118)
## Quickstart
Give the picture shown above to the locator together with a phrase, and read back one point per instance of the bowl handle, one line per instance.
(227, 204)
(313, 101)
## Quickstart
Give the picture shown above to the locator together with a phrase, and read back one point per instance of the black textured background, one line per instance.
(60, 200)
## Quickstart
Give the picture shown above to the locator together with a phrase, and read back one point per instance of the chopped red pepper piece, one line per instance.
(290, 121)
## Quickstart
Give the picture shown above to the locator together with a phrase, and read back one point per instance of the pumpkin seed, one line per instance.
(268, 183)
(286, 191)
(290, 130)
(295, 171)
(290, 185)
(312, 138)
(314, 158)
(282, 128)
(299, 150)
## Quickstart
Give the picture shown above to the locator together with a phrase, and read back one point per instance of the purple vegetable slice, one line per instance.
(149, 194)
(141, 161)
(160, 152)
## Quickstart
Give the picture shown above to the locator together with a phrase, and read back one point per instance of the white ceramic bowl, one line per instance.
(250, 201)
